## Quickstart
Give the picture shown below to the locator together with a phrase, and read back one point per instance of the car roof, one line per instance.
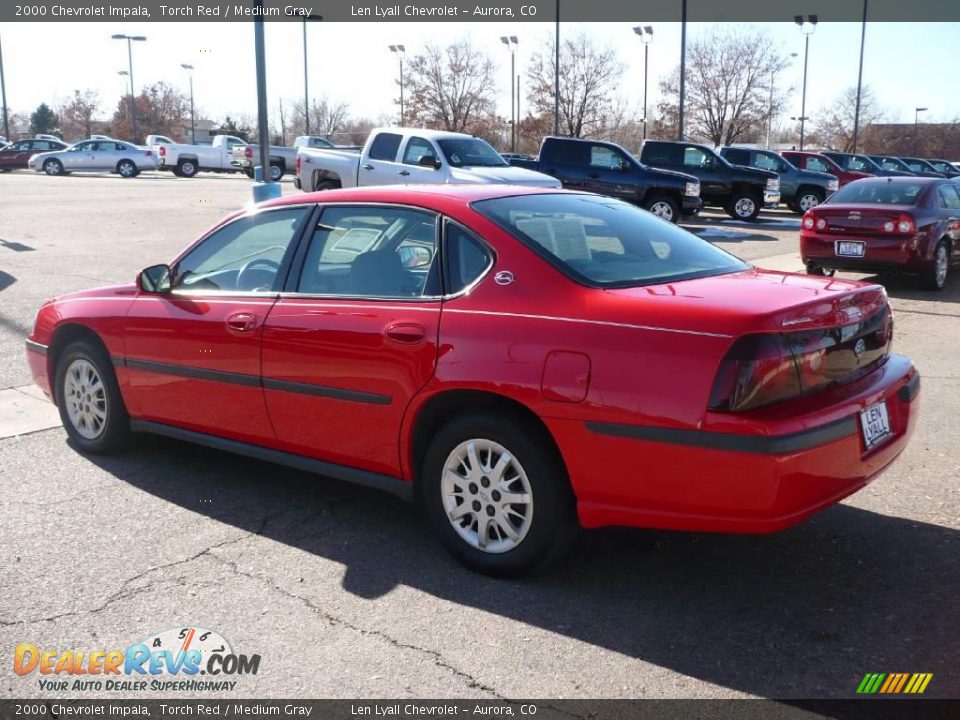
(902, 179)
(421, 132)
(408, 193)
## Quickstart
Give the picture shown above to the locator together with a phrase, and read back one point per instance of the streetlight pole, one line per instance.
(916, 125)
(683, 67)
(306, 91)
(646, 37)
(556, 74)
(806, 27)
(856, 112)
(193, 120)
(511, 43)
(400, 52)
(133, 101)
(3, 99)
(770, 106)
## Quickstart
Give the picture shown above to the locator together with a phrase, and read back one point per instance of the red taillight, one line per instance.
(298, 164)
(808, 221)
(758, 370)
(906, 225)
(248, 152)
(162, 151)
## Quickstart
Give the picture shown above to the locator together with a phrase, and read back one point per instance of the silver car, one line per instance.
(115, 156)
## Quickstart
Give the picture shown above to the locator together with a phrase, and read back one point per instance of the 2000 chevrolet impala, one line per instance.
(522, 362)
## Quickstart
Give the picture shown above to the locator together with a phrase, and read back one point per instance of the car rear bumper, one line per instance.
(773, 473)
(880, 253)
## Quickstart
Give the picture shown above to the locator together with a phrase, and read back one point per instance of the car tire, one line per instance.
(663, 206)
(248, 171)
(808, 198)
(934, 275)
(127, 169)
(276, 172)
(327, 185)
(53, 167)
(472, 517)
(89, 399)
(187, 168)
(813, 269)
(743, 206)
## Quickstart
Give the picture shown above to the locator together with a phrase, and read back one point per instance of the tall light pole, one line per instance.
(916, 125)
(400, 51)
(306, 91)
(133, 101)
(511, 43)
(556, 74)
(806, 27)
(646, 37)
(3, 99)
(193, 121)
(683, 67)
(856, 112)
(770, 105)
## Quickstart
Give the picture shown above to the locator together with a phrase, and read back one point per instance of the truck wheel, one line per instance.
(327, 185)
(934, 275)
(809, 198)
(187, 168)
(276, 172)
(813, 269)
(248, 171)
(743, 206)
(663, 206)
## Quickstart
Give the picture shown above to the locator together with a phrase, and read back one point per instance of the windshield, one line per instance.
(878, 192)
(470, 152)
(601, 242)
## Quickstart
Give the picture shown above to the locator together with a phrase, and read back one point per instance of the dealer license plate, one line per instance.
(847, 248)
(875, 424)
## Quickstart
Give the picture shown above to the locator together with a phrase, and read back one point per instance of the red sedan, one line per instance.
(15, 155)
(520, 361)
(906, 224)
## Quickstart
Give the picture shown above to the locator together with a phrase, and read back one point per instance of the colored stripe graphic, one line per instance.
(894, 683)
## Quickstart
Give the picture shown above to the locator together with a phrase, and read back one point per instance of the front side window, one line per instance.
(949, 197)
(879, 192)
(384, 146)
(606, 158)
(940, 166)
(22, 145)
(602, 242)
(769, 162)
(861, 164)
(84, 146)
(696, 158)
(380, 252)
(470, 152)
(416, 149)
(243, 256)
(817, 165)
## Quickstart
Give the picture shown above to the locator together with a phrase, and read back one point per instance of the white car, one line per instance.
(123, 158)
(399, 156)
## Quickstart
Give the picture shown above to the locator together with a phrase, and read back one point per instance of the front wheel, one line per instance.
(89, 400)
(663, 206)
(127, 169)
(497, 495)
(53, 167)
(807, 199)
(743, 206)
(934, 276)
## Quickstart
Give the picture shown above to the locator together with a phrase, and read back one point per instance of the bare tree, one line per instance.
(76, 114)
(162, 109)
(451, 88)
(833, 125)
(728, 81)
(326, 117)
(589, 78)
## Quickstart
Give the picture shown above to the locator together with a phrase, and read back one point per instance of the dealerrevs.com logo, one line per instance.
(187, 659)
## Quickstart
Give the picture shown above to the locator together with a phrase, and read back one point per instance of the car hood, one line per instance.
(508, 175)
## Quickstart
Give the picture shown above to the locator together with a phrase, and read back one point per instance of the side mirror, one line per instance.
(415, 256)
(429, 161)
(155, 279)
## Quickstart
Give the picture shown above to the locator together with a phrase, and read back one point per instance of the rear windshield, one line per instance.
(878, 192)
(602, 242)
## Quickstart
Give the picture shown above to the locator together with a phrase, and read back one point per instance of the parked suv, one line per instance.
(818, 162)
(741, 191)
(799, 189)
(862, 163)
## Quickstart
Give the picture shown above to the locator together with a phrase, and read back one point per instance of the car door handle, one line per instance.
(368, 167)
(242, 322)
(404, 173)
(406, 333)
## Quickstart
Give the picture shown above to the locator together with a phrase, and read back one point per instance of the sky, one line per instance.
(906, 64)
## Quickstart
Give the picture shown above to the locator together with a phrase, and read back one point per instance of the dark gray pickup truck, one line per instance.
(607, 169)
(799, 189)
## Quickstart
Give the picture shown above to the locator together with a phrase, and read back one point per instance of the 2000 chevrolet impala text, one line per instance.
(522, 362)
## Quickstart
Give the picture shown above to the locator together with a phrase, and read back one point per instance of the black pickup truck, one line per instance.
(741, 191)
(607, 169)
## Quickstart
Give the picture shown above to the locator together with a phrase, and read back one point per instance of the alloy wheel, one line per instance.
(745, 207)
(275, 172)
(808, 201)
(85, 397)
(942, 262)
(662, 210)
(486, 495)
(127, 168)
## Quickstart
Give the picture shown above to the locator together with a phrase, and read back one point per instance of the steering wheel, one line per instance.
(249, 266)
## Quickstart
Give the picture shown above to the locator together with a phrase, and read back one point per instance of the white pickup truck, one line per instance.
(282, 158)
(398, 156)
(188, 160)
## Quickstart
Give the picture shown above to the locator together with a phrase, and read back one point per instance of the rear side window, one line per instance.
(565, 153)
(466, 258)
(949, 198)
(878, 192)
(385, 146)
(738, 157)
(662, 154)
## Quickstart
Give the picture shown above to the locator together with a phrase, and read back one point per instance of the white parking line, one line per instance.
(25, 410)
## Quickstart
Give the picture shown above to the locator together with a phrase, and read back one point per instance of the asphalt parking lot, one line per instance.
(343, 592)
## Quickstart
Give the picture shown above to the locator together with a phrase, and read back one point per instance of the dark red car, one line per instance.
(519, 361)
(908, 224)
(15, 155)
(821, 163)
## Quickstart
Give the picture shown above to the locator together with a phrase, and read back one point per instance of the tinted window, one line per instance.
(949, 197)
(244, 256)
(466, 258)
(385, 146)
(662, 154)
(565, 153)
(416, 149)
(737, 157)
(878, 192)
(607, 243)
(380, 252)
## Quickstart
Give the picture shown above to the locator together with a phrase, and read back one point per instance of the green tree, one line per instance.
(43, 120)
(237, 128)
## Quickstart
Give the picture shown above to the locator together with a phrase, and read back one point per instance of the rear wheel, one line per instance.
(497, 495)
(89, 400)
(934, 276)
(813, 269)
(127, 169)
(327, 185)
(743, 206)
(187, 168)
(663, 206)
(53, 167)
(276, 172)
(248, 171)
